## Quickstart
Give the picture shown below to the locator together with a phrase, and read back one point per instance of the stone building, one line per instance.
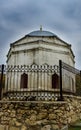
(39, 49)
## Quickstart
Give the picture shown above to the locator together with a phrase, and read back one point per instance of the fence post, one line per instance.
(80, 73)
(80, 76)
(1, 83)
(60, 69)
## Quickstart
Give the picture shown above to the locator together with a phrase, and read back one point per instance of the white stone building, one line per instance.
(41, 48)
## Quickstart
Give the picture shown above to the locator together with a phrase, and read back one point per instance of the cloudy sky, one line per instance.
(19, 17)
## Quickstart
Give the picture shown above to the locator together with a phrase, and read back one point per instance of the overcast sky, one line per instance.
(20, 17)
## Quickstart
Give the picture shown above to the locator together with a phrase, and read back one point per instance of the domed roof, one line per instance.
(41, 33)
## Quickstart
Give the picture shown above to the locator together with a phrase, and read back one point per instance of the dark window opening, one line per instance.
(24, 80)
(55, 81)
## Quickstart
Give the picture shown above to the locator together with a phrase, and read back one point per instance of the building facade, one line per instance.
(36, 53)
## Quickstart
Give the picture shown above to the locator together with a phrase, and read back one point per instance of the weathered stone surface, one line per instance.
(30, 122)
(55, 127)
(40, 116)
(23, 127)
(36, 127)
(18, 123)
(13, 113)
(33, 117)
(12, 122)
(2, 127)
(74, 118)
(47, 127)
(11, 106)
(52, 116)
(1, 114)
(18, 116)
(27, 121)
(14, 128)
(33, 112)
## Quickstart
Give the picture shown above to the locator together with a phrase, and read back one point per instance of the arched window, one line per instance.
(55, 81)
(24, 80)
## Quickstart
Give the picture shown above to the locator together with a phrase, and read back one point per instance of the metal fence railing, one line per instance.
(39, 82)
(33, 82)
(71, 79)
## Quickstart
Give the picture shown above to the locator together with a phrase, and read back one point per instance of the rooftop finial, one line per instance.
(40, 27)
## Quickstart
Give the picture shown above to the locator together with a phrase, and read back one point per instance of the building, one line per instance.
(32, 57)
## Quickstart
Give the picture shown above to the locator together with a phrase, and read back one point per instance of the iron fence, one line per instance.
(39, 82)
(33, 82)
(71, 79)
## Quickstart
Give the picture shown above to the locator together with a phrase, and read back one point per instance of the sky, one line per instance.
(20, 17)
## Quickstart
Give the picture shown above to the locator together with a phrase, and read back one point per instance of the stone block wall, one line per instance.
(15, 115)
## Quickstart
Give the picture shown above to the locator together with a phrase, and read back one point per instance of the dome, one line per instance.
(41, 33)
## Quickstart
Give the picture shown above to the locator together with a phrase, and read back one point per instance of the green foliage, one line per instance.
(74, 128)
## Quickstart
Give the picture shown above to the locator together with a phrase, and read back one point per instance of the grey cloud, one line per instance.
(19, 17)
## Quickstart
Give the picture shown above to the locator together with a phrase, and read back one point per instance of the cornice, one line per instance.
(40, 42)
(40, 48)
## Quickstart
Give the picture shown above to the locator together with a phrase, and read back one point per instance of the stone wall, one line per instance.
(39, 115)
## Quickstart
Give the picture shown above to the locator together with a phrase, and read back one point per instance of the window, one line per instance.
(55, 81)
(24, 80)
